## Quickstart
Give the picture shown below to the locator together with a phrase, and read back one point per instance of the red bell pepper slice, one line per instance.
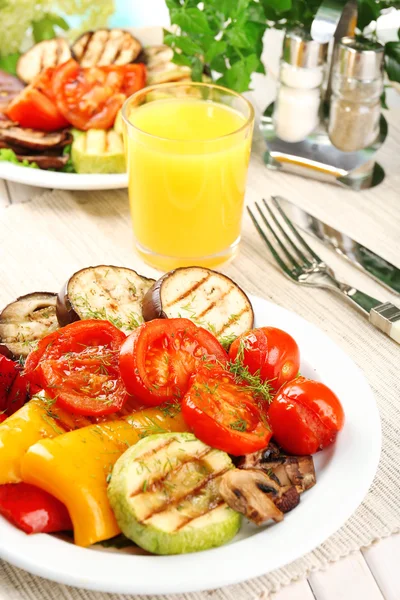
(8, 372)
(33, 510)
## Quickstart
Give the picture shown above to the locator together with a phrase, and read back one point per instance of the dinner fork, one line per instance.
(302, 265)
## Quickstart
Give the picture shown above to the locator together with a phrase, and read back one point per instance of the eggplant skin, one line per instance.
(151, 305)
(64, 311)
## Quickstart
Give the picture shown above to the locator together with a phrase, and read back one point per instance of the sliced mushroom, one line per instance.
(35, 140)
(45, 161)
(288, 470)
(252, 493)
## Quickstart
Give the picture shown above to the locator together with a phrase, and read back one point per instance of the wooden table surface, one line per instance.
(372, 573)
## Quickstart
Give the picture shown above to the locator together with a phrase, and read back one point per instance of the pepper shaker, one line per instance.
(357, 85)
(297, 106)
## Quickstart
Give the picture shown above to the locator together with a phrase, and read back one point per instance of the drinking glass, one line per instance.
(187, 149)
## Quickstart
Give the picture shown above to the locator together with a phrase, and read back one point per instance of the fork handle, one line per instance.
(382, 315)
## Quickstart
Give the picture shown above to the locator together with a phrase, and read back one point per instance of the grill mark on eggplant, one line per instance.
(87, 39)
(229, 323)
(214, 303)
(162, 476)
(194, 492)
(194, 287)
(204, 512)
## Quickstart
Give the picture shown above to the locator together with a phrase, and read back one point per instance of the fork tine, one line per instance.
(282, 246)
(298, 251)
(293, 228)
(274, 253)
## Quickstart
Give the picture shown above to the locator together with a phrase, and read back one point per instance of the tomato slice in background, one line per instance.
(35, 106)
(305, 416)
(158, 359)
(78, 366)
(224, 414)
(271, 352)
(90, 98)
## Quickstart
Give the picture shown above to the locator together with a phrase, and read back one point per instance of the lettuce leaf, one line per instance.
(9, 155)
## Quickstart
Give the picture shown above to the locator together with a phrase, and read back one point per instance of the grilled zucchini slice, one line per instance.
(49, 53)
(98, 151)
(164, 492)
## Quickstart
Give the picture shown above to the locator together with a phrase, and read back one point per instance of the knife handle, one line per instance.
(386, 317)
(382, 315)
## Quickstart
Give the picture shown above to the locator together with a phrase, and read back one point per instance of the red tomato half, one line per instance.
(271, 352)
(35, 105)
(78, 365)
(305, 416)
(224, 415)
(90, 98)
(158, 359)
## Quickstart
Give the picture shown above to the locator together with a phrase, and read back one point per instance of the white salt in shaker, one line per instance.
(297, 106)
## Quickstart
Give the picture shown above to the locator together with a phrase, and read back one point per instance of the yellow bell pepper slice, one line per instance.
(75, 467)
(36, 420)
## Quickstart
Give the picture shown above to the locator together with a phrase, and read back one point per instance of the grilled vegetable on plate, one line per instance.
(98, 151)
(165, 495)
(106, 47)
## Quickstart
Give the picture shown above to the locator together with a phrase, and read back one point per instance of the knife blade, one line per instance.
(360, 256)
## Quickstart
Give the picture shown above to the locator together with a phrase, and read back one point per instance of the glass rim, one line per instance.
(198, 84)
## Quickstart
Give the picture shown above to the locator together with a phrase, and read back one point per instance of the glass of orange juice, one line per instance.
(187, 148)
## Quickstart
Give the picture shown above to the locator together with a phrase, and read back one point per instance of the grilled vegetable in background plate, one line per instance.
(165, 495)
(10, 87)
(91, 98)
(206, 297)
(36, 105)
(104, 292)
(26, 321)
(49, 53)
(98, 151)
(106, 47)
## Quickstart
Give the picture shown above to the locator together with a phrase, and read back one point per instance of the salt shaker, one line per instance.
(357, 85)
(297, 106)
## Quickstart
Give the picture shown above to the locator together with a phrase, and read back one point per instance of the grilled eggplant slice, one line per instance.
(106, 47)
(48, 53)
(103, 292)
(10, 87)
(164, 492)
(208, 298)
(27, 320)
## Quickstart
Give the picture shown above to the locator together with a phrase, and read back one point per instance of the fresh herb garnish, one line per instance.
(239, 425)
(251, 382)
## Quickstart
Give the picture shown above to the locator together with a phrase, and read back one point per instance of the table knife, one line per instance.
(360, 256)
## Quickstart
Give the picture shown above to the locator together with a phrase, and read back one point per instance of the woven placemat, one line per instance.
(44, 241)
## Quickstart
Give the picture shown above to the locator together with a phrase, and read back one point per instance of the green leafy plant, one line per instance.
(225, 36)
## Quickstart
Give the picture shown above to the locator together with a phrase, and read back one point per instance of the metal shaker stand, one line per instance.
(316, 157)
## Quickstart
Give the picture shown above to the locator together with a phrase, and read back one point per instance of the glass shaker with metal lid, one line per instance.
(357, 85)
(297, 106)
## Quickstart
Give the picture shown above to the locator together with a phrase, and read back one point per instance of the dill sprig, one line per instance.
(252, 382)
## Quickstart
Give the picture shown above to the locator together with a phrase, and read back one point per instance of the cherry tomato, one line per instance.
(224, 414)
(305, 416)
(158, 359)
(35, 105)
(78, 366)
(90, 98)
(271, 352)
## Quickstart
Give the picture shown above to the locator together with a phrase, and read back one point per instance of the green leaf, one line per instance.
(8, 63)
(279, 6)
(44, 28)
(215, 49)
(192, 20)
(197, 69)
(184, 43)
(368, 11)
(392, 52)
(9, 155)
(218, 64)
(383, 100)
(181, 59)
(239, 75)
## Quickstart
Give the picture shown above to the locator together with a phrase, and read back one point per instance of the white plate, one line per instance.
(344, 473)
(61, 181)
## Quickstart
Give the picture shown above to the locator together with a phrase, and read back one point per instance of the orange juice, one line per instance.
(187, 162)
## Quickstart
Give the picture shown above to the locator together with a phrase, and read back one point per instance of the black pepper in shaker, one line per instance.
(357, 85)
